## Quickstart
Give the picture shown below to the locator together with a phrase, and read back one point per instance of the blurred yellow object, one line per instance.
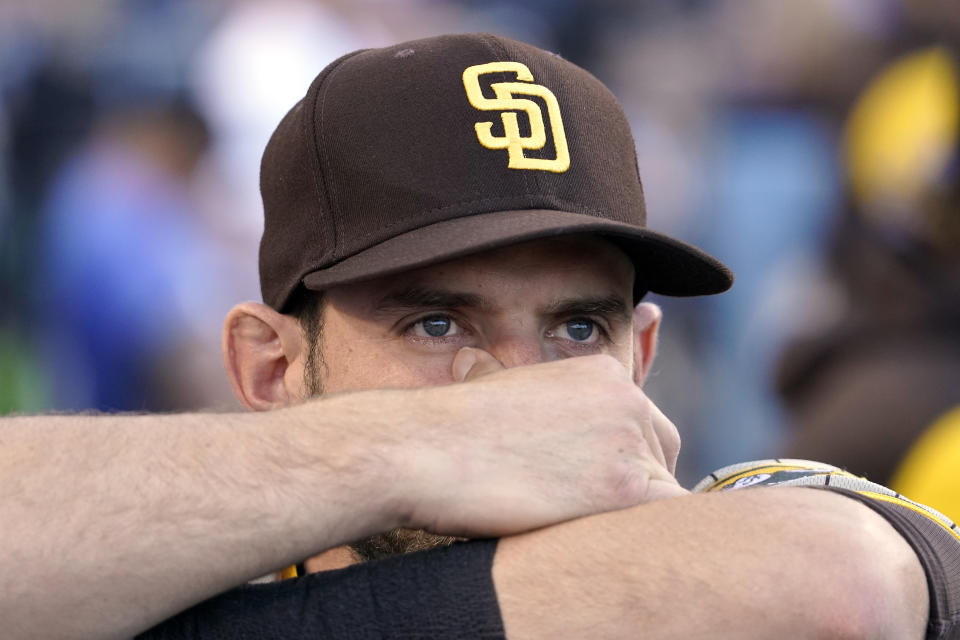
(930, 473)
(902, 132)
(289, 572)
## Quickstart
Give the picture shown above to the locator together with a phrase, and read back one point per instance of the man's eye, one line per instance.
(435, 327)
(578, 330)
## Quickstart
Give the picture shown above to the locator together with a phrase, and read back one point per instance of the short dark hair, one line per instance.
(307, 307)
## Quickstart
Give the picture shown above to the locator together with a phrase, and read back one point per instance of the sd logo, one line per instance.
(506, 101)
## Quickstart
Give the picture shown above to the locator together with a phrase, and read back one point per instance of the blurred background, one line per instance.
(810, 145)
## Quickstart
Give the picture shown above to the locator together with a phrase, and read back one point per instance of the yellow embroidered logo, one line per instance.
(506, 102)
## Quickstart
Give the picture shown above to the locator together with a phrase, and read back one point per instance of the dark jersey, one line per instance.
(443, 593)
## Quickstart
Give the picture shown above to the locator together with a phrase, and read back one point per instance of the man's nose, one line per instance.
(518, 350)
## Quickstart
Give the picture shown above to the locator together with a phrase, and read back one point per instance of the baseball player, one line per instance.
(453, 340)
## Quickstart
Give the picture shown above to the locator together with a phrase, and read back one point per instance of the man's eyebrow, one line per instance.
(427, 298)
(612, 305)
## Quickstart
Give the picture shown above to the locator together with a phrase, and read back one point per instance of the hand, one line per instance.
(517, 449)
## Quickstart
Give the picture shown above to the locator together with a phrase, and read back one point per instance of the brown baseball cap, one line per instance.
(428, 150)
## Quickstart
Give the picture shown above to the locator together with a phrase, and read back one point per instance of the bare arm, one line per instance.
(110, 524)
(766, 563)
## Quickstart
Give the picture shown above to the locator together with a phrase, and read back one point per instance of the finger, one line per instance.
(652, 438)
(667, 435)
(470, 364)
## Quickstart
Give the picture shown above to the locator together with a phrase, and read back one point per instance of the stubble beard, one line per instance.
(398, 542)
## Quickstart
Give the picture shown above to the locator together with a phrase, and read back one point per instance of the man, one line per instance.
(454, 258)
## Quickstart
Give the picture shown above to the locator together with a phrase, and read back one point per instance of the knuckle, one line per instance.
(672, 442)
(627, 483)
(630, 436)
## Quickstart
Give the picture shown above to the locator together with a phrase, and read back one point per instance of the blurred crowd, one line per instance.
(810, 145)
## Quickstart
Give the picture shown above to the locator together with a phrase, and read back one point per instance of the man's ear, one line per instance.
(646, 325)
(261, 352)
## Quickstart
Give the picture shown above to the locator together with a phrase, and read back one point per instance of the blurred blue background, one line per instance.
(131, 132)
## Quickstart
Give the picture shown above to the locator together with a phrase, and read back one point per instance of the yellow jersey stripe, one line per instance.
(772, 468)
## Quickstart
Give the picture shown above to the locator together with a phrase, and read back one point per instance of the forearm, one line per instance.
(118, 522)
(111, 523)
(753, 564)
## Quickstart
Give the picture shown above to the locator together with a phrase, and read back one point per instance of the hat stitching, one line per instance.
(318, 189)
(502, 53)
(561, 88)
(321, 149)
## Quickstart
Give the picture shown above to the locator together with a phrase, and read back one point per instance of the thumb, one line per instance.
(470, 364)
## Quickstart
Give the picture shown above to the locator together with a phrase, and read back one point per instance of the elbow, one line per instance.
(881, 591)
(864, 617)
(857, 617)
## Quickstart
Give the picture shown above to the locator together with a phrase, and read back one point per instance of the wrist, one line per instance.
(426, 451)
(364, 453)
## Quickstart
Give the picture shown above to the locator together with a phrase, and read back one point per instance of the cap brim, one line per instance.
(663, 264)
